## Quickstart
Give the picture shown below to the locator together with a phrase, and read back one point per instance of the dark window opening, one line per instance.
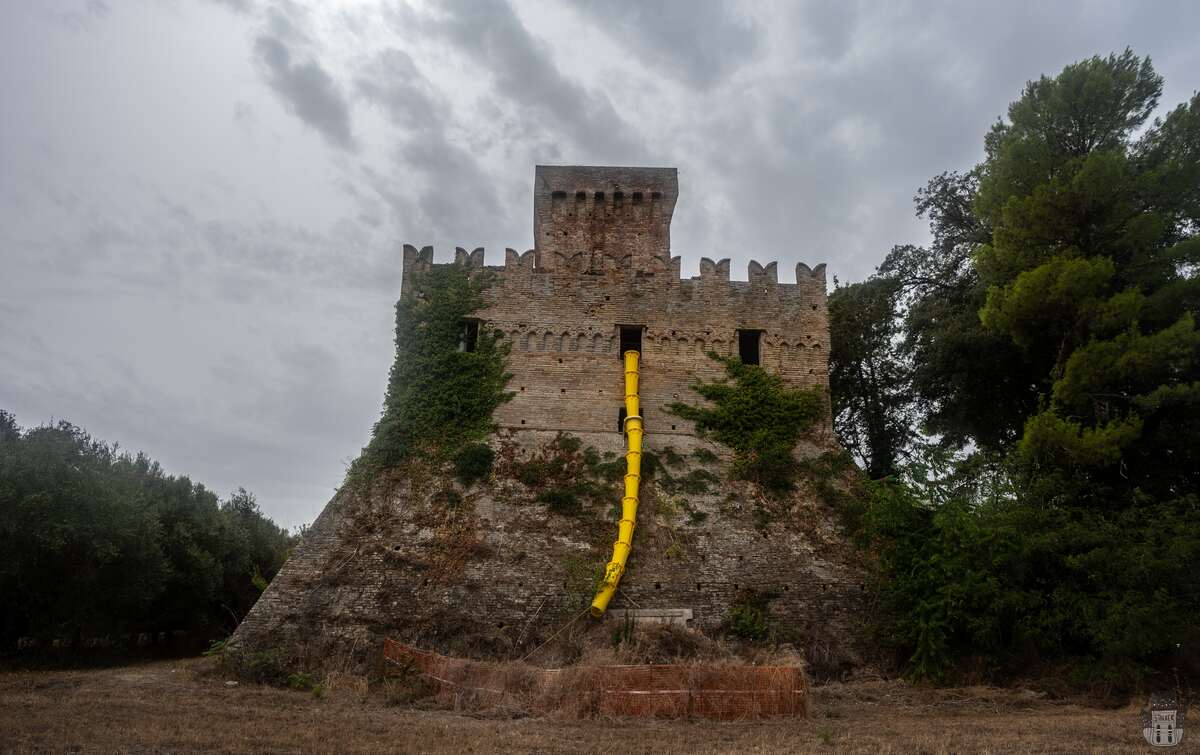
(580, 196)
(748, 341)
(656, 195)
(637, 197)
(618, 198)
(599, 196)
(558, 195)
(621, 420)
(631, 340)
(468, 336)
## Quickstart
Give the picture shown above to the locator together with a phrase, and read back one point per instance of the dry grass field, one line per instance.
(174, 706)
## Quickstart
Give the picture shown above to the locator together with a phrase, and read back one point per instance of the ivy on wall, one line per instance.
(760, 418)
(439, 398)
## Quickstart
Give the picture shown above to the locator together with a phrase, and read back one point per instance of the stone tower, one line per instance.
(600, 279)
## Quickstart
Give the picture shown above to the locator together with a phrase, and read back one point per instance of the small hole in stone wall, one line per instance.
(824, 587)
(395, 547)
(740, 558)
(672, 427)
(812, 372)
(564, 233)
(621, 420)
(814, 307)
(701, 556)
(580, 196)
(522, 422)
(658, 585)
(697, 587)
(607, 298)
(560, 360)
(735, 585)
(656, 195)
(787, 588)
(599, 196)
(522, 389)
(562, 390)
(425, 582)
(637, 197)
(500, 625)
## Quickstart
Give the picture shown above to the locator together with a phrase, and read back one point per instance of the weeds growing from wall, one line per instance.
(566, 476)
(760, 418)
(748, 616)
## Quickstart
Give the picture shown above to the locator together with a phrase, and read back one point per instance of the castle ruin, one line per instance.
(599, 280)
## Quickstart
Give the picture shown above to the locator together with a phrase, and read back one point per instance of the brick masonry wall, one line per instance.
(492, 575)
(563, 327)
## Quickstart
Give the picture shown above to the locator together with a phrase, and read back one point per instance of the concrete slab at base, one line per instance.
(678, 616)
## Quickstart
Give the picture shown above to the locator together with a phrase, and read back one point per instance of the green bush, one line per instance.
(1009, 582)
(560, 500)
(748, 616)
(474, 463)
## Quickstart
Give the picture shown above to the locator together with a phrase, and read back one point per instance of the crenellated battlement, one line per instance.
(619, 267)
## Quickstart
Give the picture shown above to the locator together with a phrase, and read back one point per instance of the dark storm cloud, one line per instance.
(524, 74)
(696, 41)
(306, 90)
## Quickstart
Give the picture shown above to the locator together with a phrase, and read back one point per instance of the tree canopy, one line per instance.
(1048, 335)
(101, 543)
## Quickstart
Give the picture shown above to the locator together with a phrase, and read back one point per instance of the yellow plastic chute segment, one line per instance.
(629, 503)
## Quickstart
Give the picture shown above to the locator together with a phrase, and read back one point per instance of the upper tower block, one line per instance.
(622, 213)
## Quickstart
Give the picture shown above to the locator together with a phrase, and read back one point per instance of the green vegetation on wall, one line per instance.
(566, 476)
(757, 416)
(439, 397)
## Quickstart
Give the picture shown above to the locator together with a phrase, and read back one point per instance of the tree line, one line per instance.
(100, 544)
(1025, 390)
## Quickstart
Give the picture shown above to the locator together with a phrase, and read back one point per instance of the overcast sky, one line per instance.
(202, 203)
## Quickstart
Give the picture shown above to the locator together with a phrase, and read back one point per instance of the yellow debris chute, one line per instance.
(629, 503)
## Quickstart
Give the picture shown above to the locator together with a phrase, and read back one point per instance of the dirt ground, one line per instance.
(172, 706)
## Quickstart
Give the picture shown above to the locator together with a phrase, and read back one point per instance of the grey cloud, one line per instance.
(239, 6)
(525, 74)
(697, 41)
(307, 90)
(459, 198)
(84, 18)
